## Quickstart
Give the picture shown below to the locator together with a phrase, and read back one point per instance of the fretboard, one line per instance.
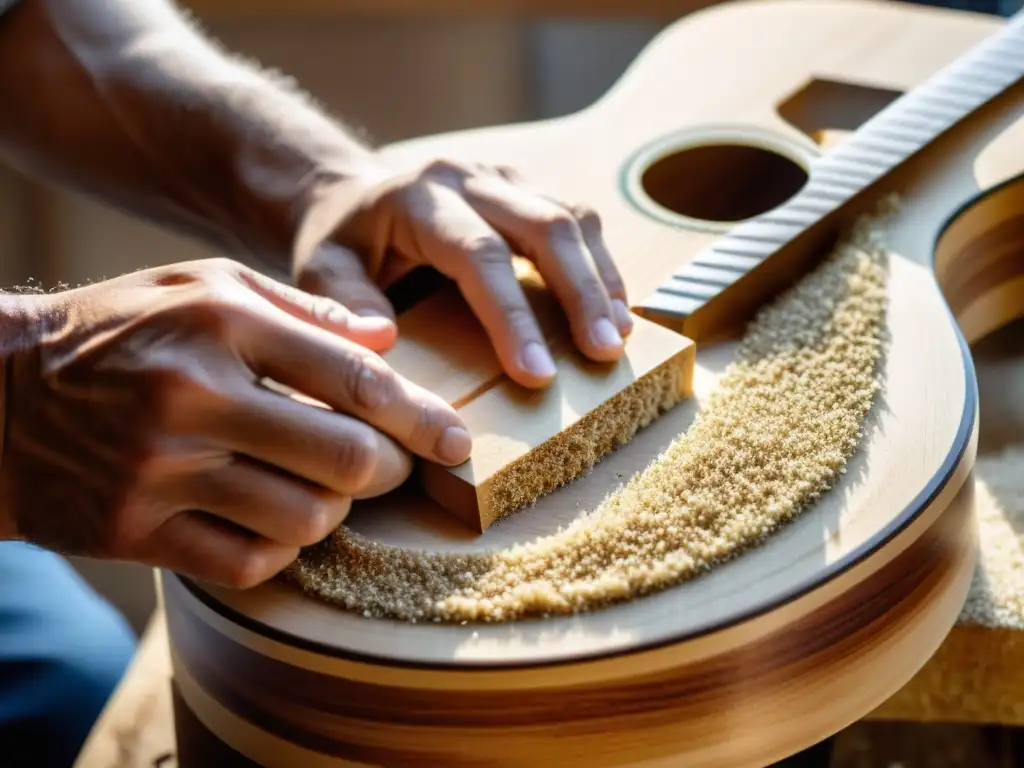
(874, 151)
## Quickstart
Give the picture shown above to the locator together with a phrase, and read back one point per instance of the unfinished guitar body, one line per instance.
(705, 163)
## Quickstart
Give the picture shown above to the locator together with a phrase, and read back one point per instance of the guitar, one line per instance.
(708, 163)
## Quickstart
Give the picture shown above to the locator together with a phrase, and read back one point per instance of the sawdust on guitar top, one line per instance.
(775, 435)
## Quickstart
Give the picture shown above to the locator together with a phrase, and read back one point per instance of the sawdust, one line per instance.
(996, 597)
(775, 435)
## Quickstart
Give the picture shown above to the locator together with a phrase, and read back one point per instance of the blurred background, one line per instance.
(399, 75)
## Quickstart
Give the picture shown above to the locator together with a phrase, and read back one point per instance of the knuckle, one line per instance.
(322, 517)
(200, 271)
(560, 226)
(210, 314)
(248, 570)
(326, 311)
(587, 216)
(426, 425)
(442, 169)
(187, 387)
(370, 383)
(614, 285)
(355, 457)
(223, 264)
(591, 295)
(507, 172)
(519, 317)
(590, 287)
(487, 249)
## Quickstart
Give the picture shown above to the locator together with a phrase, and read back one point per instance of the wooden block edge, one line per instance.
(519, 484)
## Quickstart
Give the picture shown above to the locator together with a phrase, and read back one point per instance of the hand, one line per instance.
(464, 221)
(138, 429)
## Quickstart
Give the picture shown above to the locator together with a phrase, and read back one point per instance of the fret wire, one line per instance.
(991, 82)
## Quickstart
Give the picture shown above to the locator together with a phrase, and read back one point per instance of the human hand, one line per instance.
(464, 221)
(137, 427)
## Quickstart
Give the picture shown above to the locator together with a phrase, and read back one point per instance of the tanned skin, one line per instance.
(135, 424)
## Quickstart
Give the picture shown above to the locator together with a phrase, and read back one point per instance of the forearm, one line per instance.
(23, 323)
(125, 101)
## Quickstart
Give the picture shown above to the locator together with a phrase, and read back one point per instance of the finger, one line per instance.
(506, 172)
(551, 237)
(203, 547)
(330, 449)
(590, 226)
(355, 381)
(335, 271)
(449, 234)
(269, 503)
(323, 311)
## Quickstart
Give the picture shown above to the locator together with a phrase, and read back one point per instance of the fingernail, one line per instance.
(454, 445)
(373, 323)
(537, 360)
(605, 334)
(623, 318)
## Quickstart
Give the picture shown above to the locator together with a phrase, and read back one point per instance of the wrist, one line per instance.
(332, 207)
(23, 323)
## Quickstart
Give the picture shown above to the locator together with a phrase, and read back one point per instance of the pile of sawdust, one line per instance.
(775, 435)
(996, 598)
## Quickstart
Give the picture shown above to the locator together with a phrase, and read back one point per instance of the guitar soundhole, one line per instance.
(722, 182)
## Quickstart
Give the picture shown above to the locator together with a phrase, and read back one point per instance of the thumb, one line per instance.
(336, 272)
(371, 331)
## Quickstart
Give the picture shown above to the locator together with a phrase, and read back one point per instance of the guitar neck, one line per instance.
(726, 283)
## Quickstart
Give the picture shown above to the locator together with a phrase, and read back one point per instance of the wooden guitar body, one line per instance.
(790, 641)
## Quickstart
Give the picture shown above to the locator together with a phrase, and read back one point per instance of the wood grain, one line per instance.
(521, 437)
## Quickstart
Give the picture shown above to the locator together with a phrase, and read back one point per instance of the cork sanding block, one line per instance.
(526, 443)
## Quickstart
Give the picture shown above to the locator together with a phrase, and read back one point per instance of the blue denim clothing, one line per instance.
(63, 649)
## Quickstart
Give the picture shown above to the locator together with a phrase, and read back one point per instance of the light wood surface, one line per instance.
(778, 648)
(136, 728)
(520, 437)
